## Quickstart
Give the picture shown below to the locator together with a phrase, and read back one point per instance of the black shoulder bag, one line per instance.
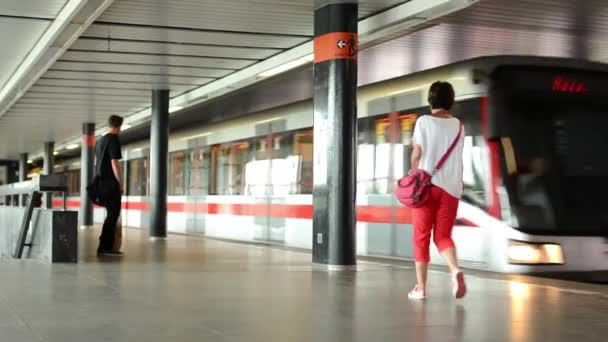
(100, 189)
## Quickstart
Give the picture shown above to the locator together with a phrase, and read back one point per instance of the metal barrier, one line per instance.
(34, 190)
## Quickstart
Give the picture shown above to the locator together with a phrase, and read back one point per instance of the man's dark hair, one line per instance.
(441, 95)
(115, 121)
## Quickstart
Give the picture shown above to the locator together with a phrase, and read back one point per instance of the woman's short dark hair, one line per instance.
(115, 121)
(441, 95)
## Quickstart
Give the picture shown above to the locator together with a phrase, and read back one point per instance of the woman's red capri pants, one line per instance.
(438, 215)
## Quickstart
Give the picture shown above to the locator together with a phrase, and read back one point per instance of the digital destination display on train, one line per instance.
(544, 81)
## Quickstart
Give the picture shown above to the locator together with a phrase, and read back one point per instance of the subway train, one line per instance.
(535, 173)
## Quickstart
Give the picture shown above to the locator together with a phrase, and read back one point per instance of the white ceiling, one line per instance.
(22, 33)
(284, 17)
(47, 9)
(22, 23)
(137, 45)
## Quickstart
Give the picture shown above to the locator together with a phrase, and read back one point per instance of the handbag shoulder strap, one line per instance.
(449, 151)
(104, 149)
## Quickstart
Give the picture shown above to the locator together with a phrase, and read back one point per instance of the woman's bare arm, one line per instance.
(416, 155)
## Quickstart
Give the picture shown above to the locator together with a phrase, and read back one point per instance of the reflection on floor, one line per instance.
(196, 289)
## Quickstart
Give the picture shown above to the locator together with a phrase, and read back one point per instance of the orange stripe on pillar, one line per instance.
(88, 140)
(336, 45)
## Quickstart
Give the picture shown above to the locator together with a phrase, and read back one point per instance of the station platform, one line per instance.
(191, 288)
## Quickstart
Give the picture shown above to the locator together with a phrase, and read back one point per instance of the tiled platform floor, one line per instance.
(196, 289)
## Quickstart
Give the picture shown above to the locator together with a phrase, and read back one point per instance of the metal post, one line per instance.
(159, 160)
(335, 132)
(23, 167)
(87, 159)
(25, 224)
(22, 176)
(47, 169)
(12, 177)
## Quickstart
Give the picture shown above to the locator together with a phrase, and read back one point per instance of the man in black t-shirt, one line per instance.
(108, 154)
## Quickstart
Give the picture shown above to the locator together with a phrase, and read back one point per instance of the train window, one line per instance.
(476, 163)
(258, 167)
(284, 166)
(558, 169)
(365, 156)
(73, 181)
(280, 164)
(385, 145)
(303, 150)
(393, 149)
(475, 155)
(228, 164)
(384, 151)
(137, 177)
(177, 175)
(198, 172)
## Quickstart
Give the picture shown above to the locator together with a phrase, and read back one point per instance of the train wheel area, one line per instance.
(190, 288)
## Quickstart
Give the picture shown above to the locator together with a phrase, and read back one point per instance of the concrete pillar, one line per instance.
(159, 163)
(335, 132)
(87, 164)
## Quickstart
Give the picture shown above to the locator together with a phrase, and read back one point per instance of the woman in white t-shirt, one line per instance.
(433, 136)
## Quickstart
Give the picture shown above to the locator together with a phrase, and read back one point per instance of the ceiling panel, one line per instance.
(124, 77)
(68, 91)
(534, 15)
(157, 34)
(83, 96)
(32, 8)
(141, 69)
(292, 17)
(38, 110)
(369, 7)
(22, 35)
(81, 101)
(51, 97)
(138, 45)
(80, 114)
(288, 17)
(112, 85)
(495, 27)
(91, 44)
(133, 58)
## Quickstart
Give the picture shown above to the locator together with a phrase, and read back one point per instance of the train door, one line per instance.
(290, 185)
(235, 192)
(258, 186)
(274, 169)
(280, 178)
(197, 180)
(389, 231)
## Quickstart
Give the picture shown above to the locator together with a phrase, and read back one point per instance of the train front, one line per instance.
(548, 126)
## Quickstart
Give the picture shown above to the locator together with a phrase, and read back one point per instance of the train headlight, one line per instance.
(535, 253)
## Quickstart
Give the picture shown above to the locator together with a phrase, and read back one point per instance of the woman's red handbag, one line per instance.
(414, 189)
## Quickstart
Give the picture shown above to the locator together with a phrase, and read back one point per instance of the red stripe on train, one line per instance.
(365, 213)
